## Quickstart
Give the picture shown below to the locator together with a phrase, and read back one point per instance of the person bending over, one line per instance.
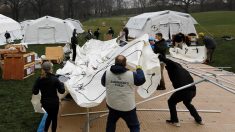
(180, 77)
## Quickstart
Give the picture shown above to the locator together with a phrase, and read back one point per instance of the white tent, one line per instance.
(48, 29)
(77, 24)
(166, 22)
(10, 25)
(24, 24)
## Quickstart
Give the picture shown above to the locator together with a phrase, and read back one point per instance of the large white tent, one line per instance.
(78, 25)
(48, 29)
(10, 25)
(166, 22)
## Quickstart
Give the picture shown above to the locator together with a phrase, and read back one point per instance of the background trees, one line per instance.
(84, 9)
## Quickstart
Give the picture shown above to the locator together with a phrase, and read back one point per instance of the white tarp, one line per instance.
(194, 54)
(49, 29)
(10, 25)
(95, 57)
(167, 22)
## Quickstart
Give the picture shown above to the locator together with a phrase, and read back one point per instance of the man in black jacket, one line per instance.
(180, 77)
(160, 47)
(48, 84)
(74, 42)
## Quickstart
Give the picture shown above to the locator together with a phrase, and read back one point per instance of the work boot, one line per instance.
(200, 122)
(161, 86)
(177, 124)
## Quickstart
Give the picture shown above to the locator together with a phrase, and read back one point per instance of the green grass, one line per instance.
(17, 113)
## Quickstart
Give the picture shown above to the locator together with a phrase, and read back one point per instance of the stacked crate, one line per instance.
(18, 66)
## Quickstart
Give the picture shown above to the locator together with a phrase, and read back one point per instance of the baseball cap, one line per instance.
(47, 66)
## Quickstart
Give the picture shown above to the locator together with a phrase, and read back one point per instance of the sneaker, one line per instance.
(177, 124)
(200, 122)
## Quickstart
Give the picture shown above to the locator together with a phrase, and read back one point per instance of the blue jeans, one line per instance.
(130, 117)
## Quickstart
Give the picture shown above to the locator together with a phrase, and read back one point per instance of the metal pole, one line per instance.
(213, 82)
(175, 90)
(84, 113)
(180, 110)
(88, 121)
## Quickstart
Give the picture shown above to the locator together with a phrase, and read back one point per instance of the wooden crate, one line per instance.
(18, 66)
(54, 54)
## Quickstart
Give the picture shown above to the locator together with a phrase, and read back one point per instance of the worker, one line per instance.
(210, 44)
(160, 47)
(180, 77)
(120, 94)
(8, 37)
(74, 42)
(48, 85)
(97, 33)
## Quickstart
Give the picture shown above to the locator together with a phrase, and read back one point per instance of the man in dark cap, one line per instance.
(120, 94)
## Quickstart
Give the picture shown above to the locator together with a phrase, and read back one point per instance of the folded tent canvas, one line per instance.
(48, 29)
(166, 22)
(10, 25)
(95, 57)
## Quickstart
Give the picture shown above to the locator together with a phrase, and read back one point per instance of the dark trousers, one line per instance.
(74, 52)
(186, 97)
(161, 86)
(209, 55)
(52, 112)
(130, 117)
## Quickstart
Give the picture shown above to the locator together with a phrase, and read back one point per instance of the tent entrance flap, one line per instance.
(46, 34)
(164, 29)
(174, 29)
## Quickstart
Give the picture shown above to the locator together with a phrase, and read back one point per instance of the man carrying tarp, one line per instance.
(210, 46)
(160, 47)
(120, 94)
(180, 77)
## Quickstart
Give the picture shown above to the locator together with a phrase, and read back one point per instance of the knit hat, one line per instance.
(201, 34)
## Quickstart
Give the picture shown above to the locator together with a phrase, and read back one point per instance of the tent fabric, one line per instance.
(24, 24)
(10, 25)
(48, 29)
(193, 54)
(77, 24)
(93, 59)
(167, 22)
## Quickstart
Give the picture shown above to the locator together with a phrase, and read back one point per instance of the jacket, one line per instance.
(48, 87)
(178, 75)
(160, 47)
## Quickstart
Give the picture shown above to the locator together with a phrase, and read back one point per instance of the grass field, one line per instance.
(17, 113)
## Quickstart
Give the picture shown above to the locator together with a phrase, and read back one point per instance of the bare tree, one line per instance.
(202, 2)
(143, 4)
(38, 6)
(184, 4)
(230, 4)
(15, 6)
